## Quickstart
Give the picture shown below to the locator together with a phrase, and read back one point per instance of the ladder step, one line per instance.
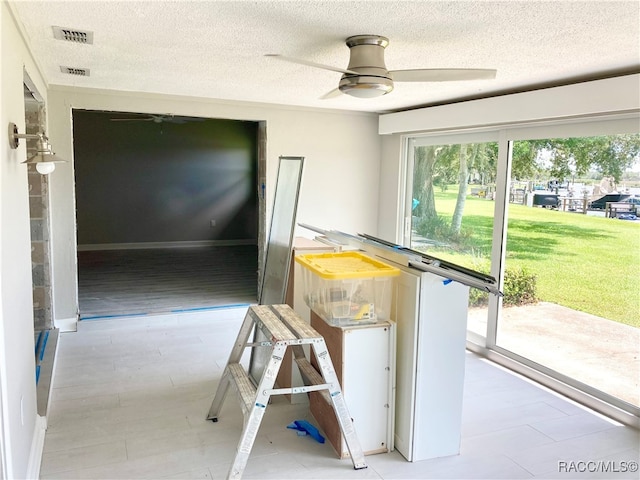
(268, 322)
(297, 325)
(244, 386)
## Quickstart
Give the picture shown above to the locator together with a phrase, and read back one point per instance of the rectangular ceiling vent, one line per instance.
(73, 35)
(80, 72)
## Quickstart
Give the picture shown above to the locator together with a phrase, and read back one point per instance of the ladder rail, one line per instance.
(252, 423)
(339, 405)
(311, 375)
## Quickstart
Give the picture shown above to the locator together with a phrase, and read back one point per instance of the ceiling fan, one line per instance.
(158, 118)
(367, 75)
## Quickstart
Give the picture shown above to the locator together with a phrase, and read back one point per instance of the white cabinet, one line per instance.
(431, 322)
(363, 357)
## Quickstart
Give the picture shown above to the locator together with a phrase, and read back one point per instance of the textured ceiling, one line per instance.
(215, 49)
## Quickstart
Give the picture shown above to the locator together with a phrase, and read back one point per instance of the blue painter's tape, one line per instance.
(183, 310)
(98, 317)
(214, 307)
(37, 373)
(44, 344)
(447, 281)
(38, 341)
(260, 405)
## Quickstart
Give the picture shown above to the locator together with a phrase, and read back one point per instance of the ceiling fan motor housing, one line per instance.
(367, 60)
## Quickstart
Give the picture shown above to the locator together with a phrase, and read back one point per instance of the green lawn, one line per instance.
(587, 263)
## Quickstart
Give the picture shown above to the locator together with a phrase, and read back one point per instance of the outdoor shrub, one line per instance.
(438, 229)
(434, 228)
(478, 298)
(519, 289)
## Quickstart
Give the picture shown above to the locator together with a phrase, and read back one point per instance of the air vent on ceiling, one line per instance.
(73, 35)
(81, 72)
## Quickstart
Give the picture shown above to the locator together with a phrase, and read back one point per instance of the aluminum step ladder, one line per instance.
(284, 329)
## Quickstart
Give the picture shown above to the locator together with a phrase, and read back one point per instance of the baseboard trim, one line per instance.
(66, 324)
(148, 245)
(37, 448)
(46, 365)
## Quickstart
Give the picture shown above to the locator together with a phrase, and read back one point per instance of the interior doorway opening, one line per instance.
(170, 216)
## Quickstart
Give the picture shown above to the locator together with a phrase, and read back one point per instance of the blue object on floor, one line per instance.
(102, 317)
(306, 427)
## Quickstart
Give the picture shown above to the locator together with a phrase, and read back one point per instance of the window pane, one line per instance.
(573, 260)
(452, 209)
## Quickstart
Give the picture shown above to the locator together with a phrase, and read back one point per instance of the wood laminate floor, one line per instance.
(115, 283)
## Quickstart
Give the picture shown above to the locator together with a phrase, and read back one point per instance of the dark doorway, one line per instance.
(167, 212)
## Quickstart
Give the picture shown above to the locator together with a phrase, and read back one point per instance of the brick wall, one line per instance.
(39, 214)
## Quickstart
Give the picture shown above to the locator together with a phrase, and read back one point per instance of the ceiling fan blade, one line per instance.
(309, 64)
(179, 119)
(442, 74)
(131, 119)
(160, 119)
(331, 94)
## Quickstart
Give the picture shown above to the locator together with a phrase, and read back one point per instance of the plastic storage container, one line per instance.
(347, 288)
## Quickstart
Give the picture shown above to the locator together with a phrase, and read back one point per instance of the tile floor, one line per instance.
(131, 395)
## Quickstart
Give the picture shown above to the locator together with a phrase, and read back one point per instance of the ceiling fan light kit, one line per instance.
(367, 75)
(365, 86)
(367, 59)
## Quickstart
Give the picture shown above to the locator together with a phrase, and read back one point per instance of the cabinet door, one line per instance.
(366, 384)
(361, 357)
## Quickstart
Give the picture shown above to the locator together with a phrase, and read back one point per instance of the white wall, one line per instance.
(20, 429)
(341, 172)
(391, 188)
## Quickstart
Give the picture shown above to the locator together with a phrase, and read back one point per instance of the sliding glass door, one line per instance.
(575, 261)
(551, 210)
(451, 201)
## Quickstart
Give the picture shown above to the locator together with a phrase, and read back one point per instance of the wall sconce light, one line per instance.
(44, 159)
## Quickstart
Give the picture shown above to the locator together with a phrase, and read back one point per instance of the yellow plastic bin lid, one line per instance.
(343, 265)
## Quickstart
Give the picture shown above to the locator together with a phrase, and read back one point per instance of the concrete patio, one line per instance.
(596, 351)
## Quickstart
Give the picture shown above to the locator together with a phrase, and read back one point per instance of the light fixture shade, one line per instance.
(44, 158)
(45, 168)
(363, 86)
